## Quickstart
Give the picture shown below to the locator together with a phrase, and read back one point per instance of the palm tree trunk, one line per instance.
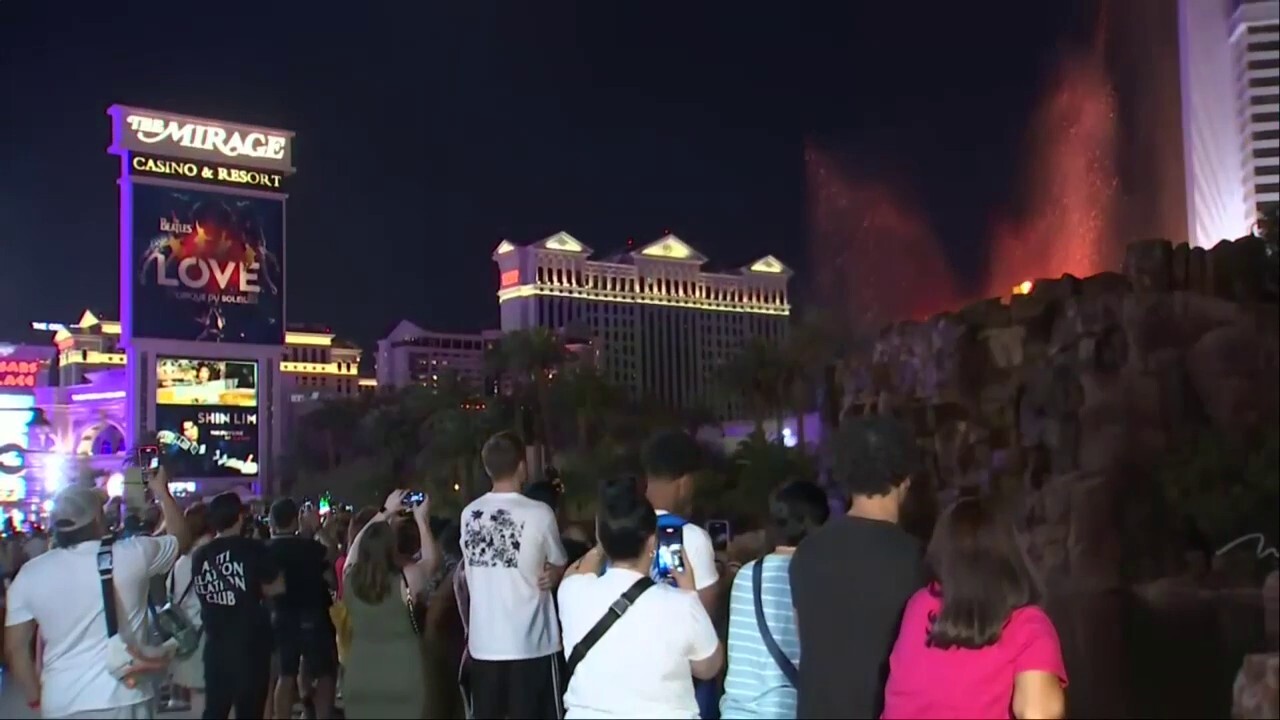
(800, 434)
(544, 413)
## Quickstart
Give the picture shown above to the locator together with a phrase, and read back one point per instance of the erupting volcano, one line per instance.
(1068, 223)
(874, 257)
(878, 258)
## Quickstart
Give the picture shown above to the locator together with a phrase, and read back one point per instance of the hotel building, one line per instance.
(410, 355)
(316, 365)
(1229, 53)
(660, 323)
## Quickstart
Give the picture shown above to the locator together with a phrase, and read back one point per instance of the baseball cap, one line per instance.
(76, 507)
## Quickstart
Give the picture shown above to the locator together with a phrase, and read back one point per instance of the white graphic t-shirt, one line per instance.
(506, 540)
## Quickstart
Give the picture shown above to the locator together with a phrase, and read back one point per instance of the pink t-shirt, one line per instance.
(926, 682)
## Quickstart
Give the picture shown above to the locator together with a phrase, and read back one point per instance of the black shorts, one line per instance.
(305, 637)
(518, 689)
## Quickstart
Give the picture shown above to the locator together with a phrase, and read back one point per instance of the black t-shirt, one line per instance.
(849, 583)
(304, 563)
(229, 575)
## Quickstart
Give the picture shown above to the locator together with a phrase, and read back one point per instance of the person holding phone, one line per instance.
(644, 662)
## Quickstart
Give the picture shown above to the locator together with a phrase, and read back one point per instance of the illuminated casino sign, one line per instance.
(204, 172)
(16, 374)
(15, 416)
(170, 135)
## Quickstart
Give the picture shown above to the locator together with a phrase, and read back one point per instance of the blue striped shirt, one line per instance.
(754, 686)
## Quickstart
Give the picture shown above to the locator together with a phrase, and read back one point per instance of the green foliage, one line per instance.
(1231, 487)
(430, 438)
(739, 485)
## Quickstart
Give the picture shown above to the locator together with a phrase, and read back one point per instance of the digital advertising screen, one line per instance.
(209, 266)
(207, 416)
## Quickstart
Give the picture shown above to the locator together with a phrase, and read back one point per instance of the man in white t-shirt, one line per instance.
(671, 458)
(513, 559)
(61, 593)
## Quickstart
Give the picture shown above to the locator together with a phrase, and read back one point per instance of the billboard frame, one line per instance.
(126, 184)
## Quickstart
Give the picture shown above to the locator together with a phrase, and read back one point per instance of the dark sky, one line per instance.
(426, 132)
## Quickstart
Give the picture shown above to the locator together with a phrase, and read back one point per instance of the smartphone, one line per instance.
(670, 544)
(413, 499)
(720, 535)
(148, 458)
(324, 504)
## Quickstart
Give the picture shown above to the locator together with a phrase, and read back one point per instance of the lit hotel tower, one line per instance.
(1230, 58)
(661, 325)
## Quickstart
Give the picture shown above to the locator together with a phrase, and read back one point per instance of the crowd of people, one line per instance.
(505, 612)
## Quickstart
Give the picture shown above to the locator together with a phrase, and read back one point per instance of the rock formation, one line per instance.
(1066, 398)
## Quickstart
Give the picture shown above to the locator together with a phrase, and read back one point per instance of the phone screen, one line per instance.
(720, 534)
(669, 546)
(148, 457)
(413, 499)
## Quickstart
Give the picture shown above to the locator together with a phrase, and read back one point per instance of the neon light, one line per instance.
(563, 242)
(109, 395)
(510, 278)
(307, 368)
(111, 327)
(767, 264)
(523, 291)
(48, 327)
(669, 247)
(13, 437)
(91, 357)
(303, 338)
(87, 320)
(115, 485)
(182, 487)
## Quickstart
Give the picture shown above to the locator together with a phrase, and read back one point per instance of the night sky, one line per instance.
(427, 132)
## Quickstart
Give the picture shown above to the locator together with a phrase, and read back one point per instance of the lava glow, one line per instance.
(1071, 182)
(873, 255)
(880, 260)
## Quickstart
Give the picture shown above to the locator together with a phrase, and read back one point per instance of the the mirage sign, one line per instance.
(167, 135)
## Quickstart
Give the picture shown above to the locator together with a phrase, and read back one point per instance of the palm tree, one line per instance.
(589, 396)
(811, 345)
(530, 360)
(755, 376)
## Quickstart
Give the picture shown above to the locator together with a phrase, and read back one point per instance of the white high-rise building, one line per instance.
(659, 323)
(1230, 58)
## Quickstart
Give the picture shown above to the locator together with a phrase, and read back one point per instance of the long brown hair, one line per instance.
(358, 521)
(374, 567)
(982, 575)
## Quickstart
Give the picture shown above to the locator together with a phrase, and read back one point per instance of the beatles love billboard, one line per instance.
(209, 266)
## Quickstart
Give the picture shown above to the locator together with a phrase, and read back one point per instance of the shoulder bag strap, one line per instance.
(106, 572)
(616, 611)
(410, 605)
(783, 662)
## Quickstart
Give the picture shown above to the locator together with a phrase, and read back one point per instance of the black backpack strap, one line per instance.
(783, 662)
(106, 572)
(616, 610)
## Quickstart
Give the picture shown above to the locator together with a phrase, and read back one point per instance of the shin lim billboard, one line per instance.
(207, 266)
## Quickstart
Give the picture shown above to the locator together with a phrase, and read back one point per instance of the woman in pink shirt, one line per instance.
(973, 643)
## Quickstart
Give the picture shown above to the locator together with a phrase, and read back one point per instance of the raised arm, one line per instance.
(389, 509)
(172, 519)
